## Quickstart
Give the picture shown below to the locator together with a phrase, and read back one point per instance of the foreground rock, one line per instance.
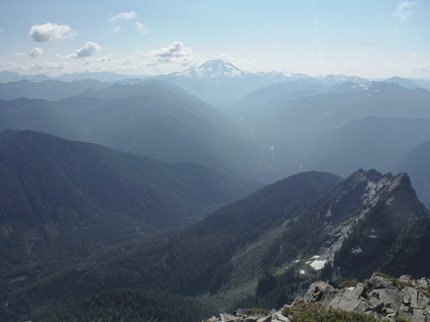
(382, 297)
(247, 316)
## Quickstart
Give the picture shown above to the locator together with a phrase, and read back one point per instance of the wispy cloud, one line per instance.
(46, 67)
(123, 16)
(422, 70)
(414, 55)
(36, 52)
(173, 51)
(90, 48)
(404, 9)
(127, 16)
(141, 27)
(104, 59)
(172, 56)
(50, 32)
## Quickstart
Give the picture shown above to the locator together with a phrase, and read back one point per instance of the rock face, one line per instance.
(386, 298)
(383, 297)
(378, 205)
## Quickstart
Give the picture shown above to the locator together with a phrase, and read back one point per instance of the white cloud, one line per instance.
(174, 57)
(46, 67)
(123, 16)
(414, 55)
(90, 48)
(20, 54)
(140, 27)
(50, 32)
(127, 16)
(104, 59)
(422, 70)
(174, 51)
(404, 9)
(35, 52)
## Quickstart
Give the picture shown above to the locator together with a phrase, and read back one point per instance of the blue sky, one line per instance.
(370, 38)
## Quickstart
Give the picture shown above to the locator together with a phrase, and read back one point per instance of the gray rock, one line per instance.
(358, 291)
(423, 300)
(410, 295)
(379, 282)
(418, 316)
(384, 298)
(282, 318)
(375, 304)
(390, 297)
(423, 283)
(251, 319)
(230, 318)
(345, 303)
(265, 319)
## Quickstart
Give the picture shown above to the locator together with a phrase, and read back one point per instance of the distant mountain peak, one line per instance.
(404, 82)
(216, 68)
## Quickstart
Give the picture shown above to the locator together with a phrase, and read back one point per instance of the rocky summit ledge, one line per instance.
(380, 298)
(247, 316)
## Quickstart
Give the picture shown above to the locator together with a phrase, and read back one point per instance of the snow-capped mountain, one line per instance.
(335, 79)
(212, 69)
(220, 83)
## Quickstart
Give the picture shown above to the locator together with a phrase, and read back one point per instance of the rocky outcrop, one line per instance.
(386, 298)
(383, 297)
(247, 316)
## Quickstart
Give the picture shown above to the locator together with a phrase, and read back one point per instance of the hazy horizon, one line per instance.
(373, 39)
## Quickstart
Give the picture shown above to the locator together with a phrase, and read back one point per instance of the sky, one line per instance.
(368, 38)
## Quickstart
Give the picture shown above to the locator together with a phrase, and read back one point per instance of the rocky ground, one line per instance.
(381, 297)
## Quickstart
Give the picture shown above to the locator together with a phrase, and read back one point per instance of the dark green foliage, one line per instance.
(266, 284)
(327, 272)
(61, 201)
(275, 291)
(409, 254)
(193, 262)
(200, 255)
(129, 306)
(348, 283)
(401, 237)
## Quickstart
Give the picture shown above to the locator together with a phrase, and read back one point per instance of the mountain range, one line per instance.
(153, 119)
(262, 247)
(140, 198)
(64, 200)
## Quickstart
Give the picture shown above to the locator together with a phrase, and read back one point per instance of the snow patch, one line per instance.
(318, 264)
(302, 272)
(356, 250)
